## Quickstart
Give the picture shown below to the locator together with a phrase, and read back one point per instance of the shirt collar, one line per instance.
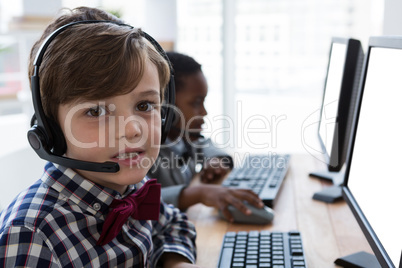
(86, 194)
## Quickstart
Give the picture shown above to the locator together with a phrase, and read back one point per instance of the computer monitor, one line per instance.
(373, 182)
(337, 106)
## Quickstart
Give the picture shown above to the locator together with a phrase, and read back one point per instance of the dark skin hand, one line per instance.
(214, 170)
(219, 197)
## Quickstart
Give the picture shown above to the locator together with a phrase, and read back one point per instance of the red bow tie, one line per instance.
(142, 205)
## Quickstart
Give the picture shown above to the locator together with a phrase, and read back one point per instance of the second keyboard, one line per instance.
(263, 174)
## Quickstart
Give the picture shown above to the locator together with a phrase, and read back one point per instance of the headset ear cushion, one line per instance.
(166, 109)
(36, 138)
(176, 117)
(165, 123)
(163, 113)
(59, 141)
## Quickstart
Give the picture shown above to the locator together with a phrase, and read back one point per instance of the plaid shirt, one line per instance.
(57, 221)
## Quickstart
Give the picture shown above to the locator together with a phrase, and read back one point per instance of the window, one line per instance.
(280, 51)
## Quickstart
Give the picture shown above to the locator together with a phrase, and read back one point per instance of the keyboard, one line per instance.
(262, 249)
(263, 174)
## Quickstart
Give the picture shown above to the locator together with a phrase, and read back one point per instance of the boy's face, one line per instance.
(190, 100)
(125, 129)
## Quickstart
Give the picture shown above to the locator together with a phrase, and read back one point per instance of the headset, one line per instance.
(46, 136)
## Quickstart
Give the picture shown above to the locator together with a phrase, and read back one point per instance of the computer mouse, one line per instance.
(263, 215)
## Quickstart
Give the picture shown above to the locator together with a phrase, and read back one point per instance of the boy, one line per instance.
(103, 84)
(185, 146)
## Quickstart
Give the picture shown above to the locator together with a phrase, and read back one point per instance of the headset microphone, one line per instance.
(46, 136)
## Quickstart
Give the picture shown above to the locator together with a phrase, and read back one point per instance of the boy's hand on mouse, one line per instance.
(214, 169)
(221, 197)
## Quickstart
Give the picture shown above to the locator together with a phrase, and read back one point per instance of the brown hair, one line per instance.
(93, 61)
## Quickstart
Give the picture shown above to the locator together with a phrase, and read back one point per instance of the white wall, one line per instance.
(392, 17)
(160, 19)
(19, 169)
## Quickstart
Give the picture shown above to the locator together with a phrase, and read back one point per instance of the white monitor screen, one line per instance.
(375, 177)
(331, 95)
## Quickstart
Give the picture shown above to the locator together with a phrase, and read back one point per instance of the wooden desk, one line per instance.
(328, 231)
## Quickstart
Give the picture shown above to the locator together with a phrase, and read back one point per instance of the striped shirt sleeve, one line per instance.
(173, 233)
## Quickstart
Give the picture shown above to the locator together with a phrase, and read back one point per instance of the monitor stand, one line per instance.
(358, 260)
(330, 194)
